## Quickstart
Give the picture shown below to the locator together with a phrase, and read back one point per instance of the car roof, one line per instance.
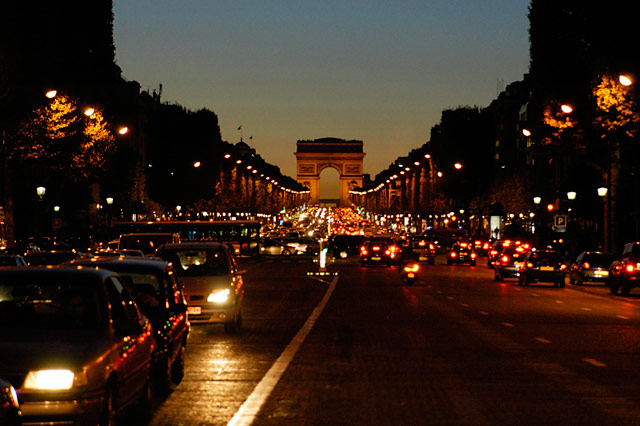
(194, 245)
(124, 262)
(61, 271)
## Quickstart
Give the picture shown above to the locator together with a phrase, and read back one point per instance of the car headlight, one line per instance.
(219, 296)
(54, 379)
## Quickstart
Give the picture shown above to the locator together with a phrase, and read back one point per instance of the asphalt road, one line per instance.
(456, 348)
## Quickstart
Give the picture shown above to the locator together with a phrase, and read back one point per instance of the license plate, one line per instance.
(546, 268)
(601, 273)
(194, 310)
(411, 275)
(376, 258)
(423, 258)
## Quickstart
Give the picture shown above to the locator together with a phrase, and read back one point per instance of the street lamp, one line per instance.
(625, 80)
(537, 200)
(41, 190)
(571, 195)
(566, 108)
(602, 191)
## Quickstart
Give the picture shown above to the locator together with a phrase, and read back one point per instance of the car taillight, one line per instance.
(422, 243)
(375, 248)
(452, 254)
(494, 252)
(388, 253)
(505, 259)
(485, 246)
(364, 252)
(563, 267)
(529, 265)
(630, 267)
(473, 255)
(586, 265)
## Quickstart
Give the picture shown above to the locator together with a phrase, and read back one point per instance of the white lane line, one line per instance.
(508, 324)
(249, 410)
(559, 301)
(484, 313)
(586, 309)
(594, 362)
(543, 340)
(451, 298)
(465, 305)
(622, 317)
(535, 294)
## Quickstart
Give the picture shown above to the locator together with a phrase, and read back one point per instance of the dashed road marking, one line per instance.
(622, 317)
(465, 305)
(594, 362)
(586, 309)
(559, 301)
(451, 298)
(508, 324)
(484, 313)
(543, 340)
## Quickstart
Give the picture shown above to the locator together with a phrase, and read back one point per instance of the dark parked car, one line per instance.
(74, 345)
(590, 266)
(212, 282)
(461, 252)
(624, 273)
(543, 266)
(159, 296)
(10, 414)
(375, 253)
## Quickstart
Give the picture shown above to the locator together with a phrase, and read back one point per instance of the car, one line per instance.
(10, 414)
(543, 266)
(375, 253)
(212, 282)
(461, 252)
(393, 244)
(590, 266)
(481, 246)
(274, 247)
(74, 345)
(301, 245)
(51, 257)
(12, 260)
(159, 295)
(424, 248)
(344, 246)
(624, 272)
(509, 262)
(147, 242)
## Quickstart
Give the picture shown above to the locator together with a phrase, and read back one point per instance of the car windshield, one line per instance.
(198, 262)
(49, 304)
(599, 259)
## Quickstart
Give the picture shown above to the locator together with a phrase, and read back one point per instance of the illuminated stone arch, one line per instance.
(342, 155)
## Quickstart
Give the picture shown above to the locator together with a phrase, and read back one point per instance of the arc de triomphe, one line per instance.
(316, 155)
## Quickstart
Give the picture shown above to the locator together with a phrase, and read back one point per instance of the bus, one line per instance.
(242, 235)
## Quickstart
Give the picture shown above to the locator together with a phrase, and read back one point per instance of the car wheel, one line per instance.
(239, 319)
(309, 250)
(286, 252)
(520, 282)
(177, 368)
(613, 288)
(497, 277)
(110, 411)
(230, 327)
(473, 263)
(143, 409)
(432, 261)
(561, 283)
(624, 291)
(162, 375)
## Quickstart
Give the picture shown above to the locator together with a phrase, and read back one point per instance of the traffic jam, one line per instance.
(90, 336)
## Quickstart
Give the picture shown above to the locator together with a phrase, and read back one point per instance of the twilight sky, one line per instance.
(373, 70)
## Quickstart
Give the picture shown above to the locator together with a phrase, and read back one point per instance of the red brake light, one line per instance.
(375, 248)
(505, 259)
(452, 254)
(473, 255)
(412, 268)
(563, 267)
(422, 243)
(586, 265)
(364, 252)
(529, 265)
(630, 267)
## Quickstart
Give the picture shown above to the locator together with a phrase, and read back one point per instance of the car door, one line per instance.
(177, 316)
(134, 343)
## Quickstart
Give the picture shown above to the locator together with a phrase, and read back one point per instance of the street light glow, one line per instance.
(51, 94)
(625, 80)
(526, 132)
(567, 109)
(89, 111)
(123, 130)
(458, 166)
